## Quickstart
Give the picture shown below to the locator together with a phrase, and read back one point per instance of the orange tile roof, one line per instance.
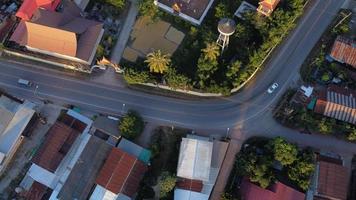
(190, 184)
(267, 6)
(344, 51)
(46, 38)
(332, 180)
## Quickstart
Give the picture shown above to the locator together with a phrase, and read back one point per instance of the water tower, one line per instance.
(226, 27)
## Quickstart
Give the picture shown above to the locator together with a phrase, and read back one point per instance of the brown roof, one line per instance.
(337, 103)
(332, 180)
(36, 191)
(121, 173)
(189, 184)
(344, 51)
(70, 34)
(58, 141)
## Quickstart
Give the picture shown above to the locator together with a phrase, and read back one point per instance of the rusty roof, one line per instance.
(269, 4)
(37, 191)
(338, 103)
(189, 184)
(344, 51)
(121, 173)
(332, 180)
(58, 141)
(278, 191)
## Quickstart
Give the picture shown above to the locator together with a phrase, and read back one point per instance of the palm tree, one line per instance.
(211, 51)
(158, 62)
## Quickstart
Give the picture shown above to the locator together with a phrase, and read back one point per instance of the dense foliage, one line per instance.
(131, 125)
(201, 63)
(259, 161)
(166, 184)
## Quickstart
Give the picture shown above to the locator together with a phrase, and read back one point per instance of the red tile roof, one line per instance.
(267, 6)
(278, 191)
(36, 191)
(344, 51)
(121, 173)
(189, 184)
(58, 141)
(29, 7)
(333, 180)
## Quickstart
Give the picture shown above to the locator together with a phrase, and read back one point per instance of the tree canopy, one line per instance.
(284, 152)
(131, 125)
(158, 62)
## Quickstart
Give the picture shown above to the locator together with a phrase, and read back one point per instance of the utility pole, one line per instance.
(227, 132)
(34, 92)
(123, 107)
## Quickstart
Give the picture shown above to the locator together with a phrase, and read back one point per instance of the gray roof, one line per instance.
(107, 126)
(82, 177)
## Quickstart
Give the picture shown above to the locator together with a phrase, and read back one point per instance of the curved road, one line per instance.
(237, 112)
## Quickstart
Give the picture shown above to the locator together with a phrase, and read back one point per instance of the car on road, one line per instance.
(24, 82)
(273, 87)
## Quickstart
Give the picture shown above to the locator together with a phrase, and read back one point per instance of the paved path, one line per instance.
(125, 33)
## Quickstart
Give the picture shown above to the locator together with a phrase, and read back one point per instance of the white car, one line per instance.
(272, 88)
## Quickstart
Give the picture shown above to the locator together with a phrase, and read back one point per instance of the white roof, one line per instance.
(180, 194)
(308, 91)
(195, 159)
(101, 193)
(41, 175)
(13, 123)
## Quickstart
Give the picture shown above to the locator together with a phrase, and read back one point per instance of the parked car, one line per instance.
(273, 87)
(24, 82)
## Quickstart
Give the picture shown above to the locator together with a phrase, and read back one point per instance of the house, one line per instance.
(29, 7)
(337, 103)
(119, 177)
(278, 191)
(64, 35)
(14, 120)
(193, 11)
(266, 7)
(332, 179)
(344, 51)
(198, 167)
(56, 157)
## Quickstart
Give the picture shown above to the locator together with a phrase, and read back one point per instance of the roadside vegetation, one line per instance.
(308, 122)
(317, 69)
(264, 161)
(164, 147)
(198, 62)
(131, 125)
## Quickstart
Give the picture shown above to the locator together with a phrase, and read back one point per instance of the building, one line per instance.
(344, 51)
(193, 11)
(337, 103)
(332, 180)
(120, 176)
(64, 35)
(56, 157)
(14, 120)
(278, 191)
(198, 167)
(266, 7)
(29, 7)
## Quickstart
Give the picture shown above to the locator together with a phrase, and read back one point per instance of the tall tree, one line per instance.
(158, 62)
(284, 152)
(211, 52)
(131, 125)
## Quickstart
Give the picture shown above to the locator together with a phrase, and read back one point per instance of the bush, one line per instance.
(131, 125)
(132, 76)
(166, 184)
(119, 4)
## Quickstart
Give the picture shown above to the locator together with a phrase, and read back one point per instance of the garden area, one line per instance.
(198, 63)
(305, 120)
(318, 69)
(160, 176)
(265, 161)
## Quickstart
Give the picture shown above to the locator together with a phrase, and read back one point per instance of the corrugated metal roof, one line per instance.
(332, 180)
(58, 141)
(339, 104)
(189, 184)
(344, 51)
(195, 159)
(36, 191)
(180, 194)
(121, 173)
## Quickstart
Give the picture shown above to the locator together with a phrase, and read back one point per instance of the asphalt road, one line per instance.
(237, 112)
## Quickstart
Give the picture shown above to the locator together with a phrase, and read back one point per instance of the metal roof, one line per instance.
(180, 194)
(195, 159)
(344, 51)
(28, 7)
(227, 26)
